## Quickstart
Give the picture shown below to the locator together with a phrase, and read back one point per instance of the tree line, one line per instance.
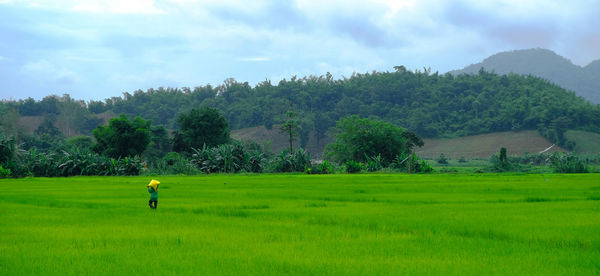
(428, 104)
(203, 145)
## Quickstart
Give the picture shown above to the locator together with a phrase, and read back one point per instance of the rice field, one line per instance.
(541, 224)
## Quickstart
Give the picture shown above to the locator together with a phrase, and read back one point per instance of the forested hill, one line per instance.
(585, 81)
(429, 104)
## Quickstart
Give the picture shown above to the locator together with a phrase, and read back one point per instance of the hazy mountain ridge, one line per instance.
(584, 81)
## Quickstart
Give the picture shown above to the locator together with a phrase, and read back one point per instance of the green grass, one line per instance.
(302, 224)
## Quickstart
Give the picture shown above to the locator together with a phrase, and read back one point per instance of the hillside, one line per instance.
(475, 146)
(484, 145)
(276, 141)
(584, 81)
(587, 142)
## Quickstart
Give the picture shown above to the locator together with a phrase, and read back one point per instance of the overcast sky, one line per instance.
(96, 49)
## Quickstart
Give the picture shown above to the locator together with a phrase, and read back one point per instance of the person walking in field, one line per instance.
(153, 190)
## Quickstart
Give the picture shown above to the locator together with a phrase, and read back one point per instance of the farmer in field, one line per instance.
(153, 190)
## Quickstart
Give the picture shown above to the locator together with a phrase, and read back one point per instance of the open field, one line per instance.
(484, 145)
(302, 224)
(587, 142)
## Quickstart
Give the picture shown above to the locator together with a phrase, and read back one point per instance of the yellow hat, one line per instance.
(154, 184)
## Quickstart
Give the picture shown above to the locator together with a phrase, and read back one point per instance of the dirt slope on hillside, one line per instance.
(477, 146)
(484, 145)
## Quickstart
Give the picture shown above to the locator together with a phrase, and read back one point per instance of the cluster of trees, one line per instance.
(202, 144)
(428, 104)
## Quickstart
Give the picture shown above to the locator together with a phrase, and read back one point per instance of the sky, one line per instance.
(97, 49)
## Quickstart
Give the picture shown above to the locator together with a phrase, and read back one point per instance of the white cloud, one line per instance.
(95, 6)
(254, 59)
(46, 71)
(104, 47)
(117, 6)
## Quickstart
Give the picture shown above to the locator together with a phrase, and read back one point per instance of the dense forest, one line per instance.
(429, 104)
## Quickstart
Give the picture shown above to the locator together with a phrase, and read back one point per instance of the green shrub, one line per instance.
(567, 163)
(442, 159)
(374, 163)
(324, 167)
(4, 173)
(500, 163)
(353, 166)
(74, 162)
(172, 163)
(298, 161)
(462, 159)
(412, 164)
(229, 158)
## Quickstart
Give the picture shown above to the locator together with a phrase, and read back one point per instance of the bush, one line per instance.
(462, 159)
(499, 162)
(567, 163)
(298, 161)
(229, 158)
(357, 139)
(353, 166)
(442, 159)
(75, 162)
(374, 163)
(324, 167)
(412, 164)
(4, 173)
(173, 163)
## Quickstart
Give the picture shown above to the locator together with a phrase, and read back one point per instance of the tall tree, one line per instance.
(121, 137)
(359, 139)
(290, 128)
(199, 127)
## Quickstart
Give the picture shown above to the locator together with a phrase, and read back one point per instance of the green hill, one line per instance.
(428, 104)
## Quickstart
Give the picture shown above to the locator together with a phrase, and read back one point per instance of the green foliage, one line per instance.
(81, 142)
(122, 138)
(44, 143)
(567, 163)
(411, 163)
(443, 160)
(160, 144)
(199, 127)
(7, 149)
(357, 139)
(428, 104)
(290, 128)
(353, 166)
(172, 163)
(297, 161)
(47, 128)
(228, 158)
(324, 167)
(374, 164)
(4, 173)
(500, 163)
(74, 162)
(462, 159)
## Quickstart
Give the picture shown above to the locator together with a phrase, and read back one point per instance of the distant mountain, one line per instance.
(584, 81)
